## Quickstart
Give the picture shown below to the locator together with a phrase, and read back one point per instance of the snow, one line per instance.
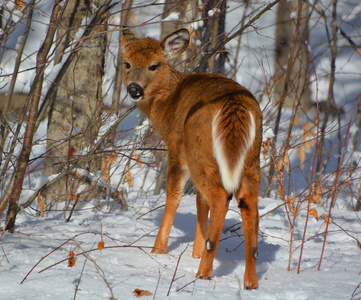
(173, 16)
(197, 24)
(39, 249)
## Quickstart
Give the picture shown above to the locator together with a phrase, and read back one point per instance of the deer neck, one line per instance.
(159, 104)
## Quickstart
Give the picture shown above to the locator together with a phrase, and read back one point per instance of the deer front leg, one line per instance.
(175, 183)
(201, 231)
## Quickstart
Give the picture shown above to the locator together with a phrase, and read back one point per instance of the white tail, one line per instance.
(231, 171)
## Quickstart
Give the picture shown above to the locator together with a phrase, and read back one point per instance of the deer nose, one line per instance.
(135, 91)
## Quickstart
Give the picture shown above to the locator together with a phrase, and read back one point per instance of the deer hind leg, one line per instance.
(218, 202)
(247, 202)
(175, 184)
(201, 231)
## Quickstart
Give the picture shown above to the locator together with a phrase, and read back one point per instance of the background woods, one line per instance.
(71, 139)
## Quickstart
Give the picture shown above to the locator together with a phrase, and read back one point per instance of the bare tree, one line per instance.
(76, 106)
(124, 19)
(35, 94)
(213, 34)
(298, 92)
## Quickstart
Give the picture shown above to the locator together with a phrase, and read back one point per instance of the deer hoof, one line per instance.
(250, 287)
(158, 251)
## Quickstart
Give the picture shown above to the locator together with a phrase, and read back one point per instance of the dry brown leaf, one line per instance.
(301, 155)
(107, 162)
(265, 146)
(281, 190)
(128, 177)
(327, 220)
(71, 152)
(132, 17)
(309, 144)
(291, 205)
(286, 162)
(71, 259)
(267, 143)
(20, 4)
(306, 130)
(73, 197)
(264, 153)
(279, 170)
(104, 169)
(140, 292)
(313, 212)
(41, 205)
(278, 165)
(316, 198)
(101, 245)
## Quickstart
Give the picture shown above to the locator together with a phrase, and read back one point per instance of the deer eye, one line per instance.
(127, 65)
(153, 67)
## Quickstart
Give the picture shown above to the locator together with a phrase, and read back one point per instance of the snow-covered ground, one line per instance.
(39, 249)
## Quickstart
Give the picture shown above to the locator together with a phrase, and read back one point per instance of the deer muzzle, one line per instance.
(135, 91)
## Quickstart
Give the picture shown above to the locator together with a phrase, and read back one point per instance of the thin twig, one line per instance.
(176, 268)
(81, 275)
(109, 247)
(156, 288)
(101, 274)
(351, 42)
(335, 185)
(78, 162)
(355, 293)
(5, 254)
(141, 216)
(184, 286)
(88, 251)
(313, 164)
(57, 248)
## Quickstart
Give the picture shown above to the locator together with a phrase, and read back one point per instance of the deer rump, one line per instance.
(213, 130)
(217, 123)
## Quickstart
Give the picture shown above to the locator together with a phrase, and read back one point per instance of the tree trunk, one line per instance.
(118, 78)
(23, 160)
(213, 34)
(74, 117)
(298, 86)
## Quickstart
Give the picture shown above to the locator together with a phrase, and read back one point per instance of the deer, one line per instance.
(212, 127)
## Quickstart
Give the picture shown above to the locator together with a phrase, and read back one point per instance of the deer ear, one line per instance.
(175, 43)
(127, 37)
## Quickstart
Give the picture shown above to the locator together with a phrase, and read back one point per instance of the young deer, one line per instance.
(213, 130)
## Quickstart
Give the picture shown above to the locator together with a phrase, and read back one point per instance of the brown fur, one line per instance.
(182, 108)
